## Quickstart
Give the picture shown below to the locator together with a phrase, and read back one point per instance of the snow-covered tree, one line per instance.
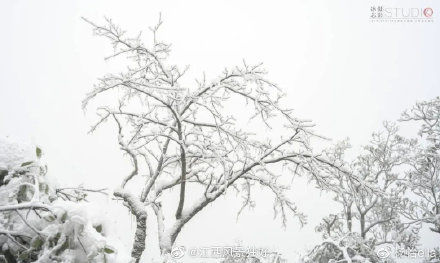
(204, 138)
(371, 212)
(383, 164)
(424, 177)
(342, 187)
(428, 114)
(36, 224)
(331, 226)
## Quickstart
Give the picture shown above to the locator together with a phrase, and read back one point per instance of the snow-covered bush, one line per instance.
(351, 248)
(39, 223)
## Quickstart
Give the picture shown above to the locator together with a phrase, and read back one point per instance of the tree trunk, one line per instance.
(349, 220)
(137, 209)
(166, 257)
(362, 222)
(3, 174)
(139, 238)
(165, 247)
(182, 182)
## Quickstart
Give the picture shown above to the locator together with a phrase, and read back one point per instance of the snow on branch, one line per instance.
(190, 140)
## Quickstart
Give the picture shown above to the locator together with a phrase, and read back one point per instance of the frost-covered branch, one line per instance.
(424, 177)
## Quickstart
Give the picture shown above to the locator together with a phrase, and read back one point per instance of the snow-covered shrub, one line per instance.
(349, 248)
(37, 222)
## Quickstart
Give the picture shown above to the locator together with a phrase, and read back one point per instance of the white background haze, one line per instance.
(337, 68)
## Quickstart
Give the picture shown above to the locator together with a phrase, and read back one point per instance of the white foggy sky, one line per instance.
(337, 68)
